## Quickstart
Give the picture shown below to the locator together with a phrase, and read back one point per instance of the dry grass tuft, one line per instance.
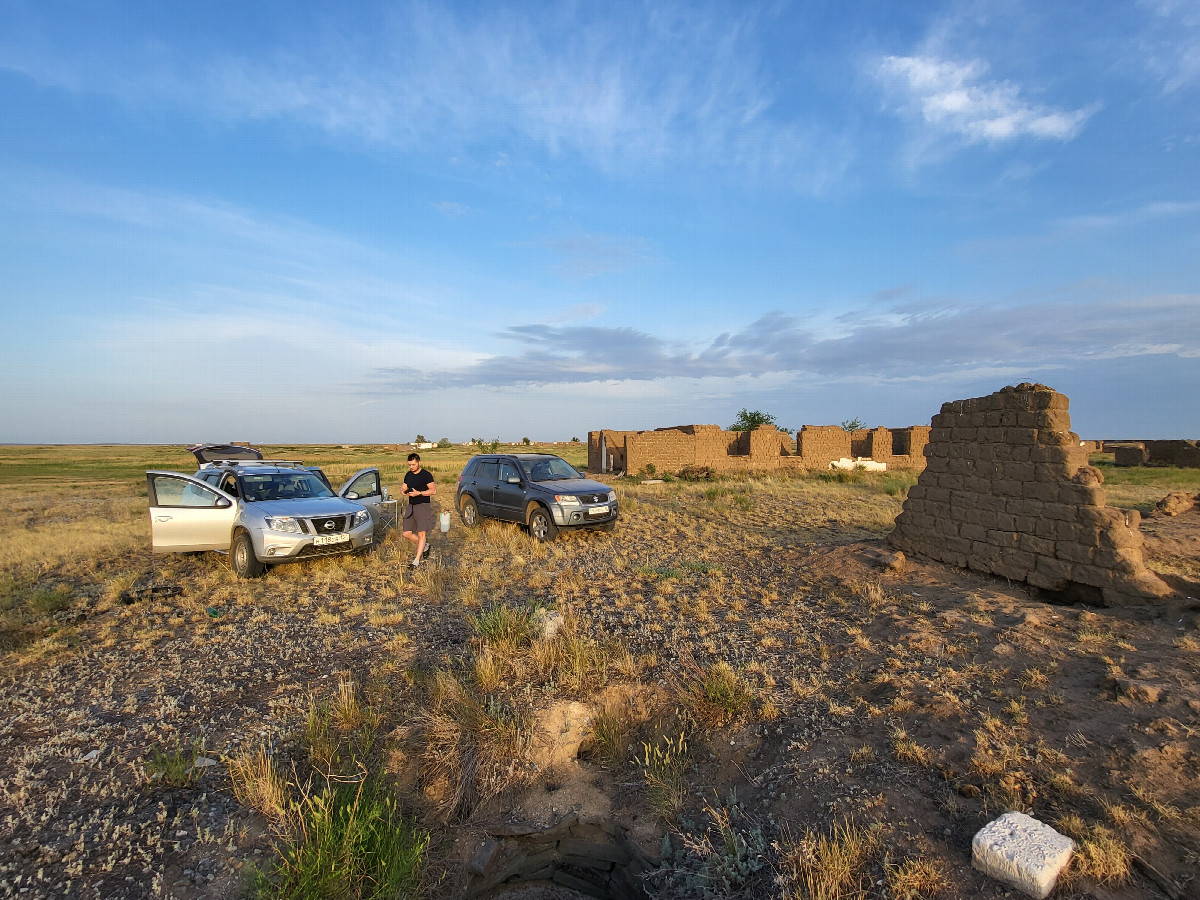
(475, 747)
(258, 785)
(1102, 856)
(829, 866)
(716, 695)
(916, 879)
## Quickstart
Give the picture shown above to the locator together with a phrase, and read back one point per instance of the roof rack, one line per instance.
(278, 463)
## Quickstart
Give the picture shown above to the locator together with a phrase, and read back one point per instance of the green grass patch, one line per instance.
(351, 840)
(27, 611)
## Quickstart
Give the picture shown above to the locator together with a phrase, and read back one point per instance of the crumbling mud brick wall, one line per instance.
(763, 449)
(1007, 490)
(1184, 454)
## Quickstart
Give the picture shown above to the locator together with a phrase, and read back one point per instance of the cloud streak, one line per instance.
(918, 342)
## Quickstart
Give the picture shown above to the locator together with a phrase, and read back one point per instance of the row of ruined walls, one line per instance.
(682, 447)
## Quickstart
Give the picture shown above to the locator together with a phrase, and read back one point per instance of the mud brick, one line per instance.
(1125, 560)
(951, 482)
(1022, 453)
(957, 546)
(1079, 554)
(985, 452)
(1050, 573)
(1050, 472)
(919, 520)
(991, 502)
(947, 527)
(1037, 545)
(1008, 418)
(1081, 494)
(993, 418)
(1072, 533)
(960, 466)
(1101, 516)
(1021, 471)
(977, 484)
(1047, 493)
(1028, 419)
(1003, 539)
(936, 495)
(974, 420)
(1032, 507)
(1006, 488)
(962, 500)
(953, 558)
(1118, 537)
(959, 512)
(970, 451)
(1049, 400)
(1018, 558)
(938, 450)
(1010, 571)
(1006, 522)
(988, 519)
(972, 516)
(964, 434)
(940, 435)
(1061, 512)
(1050, 437)
(1023, 435)
(917, 492)
(985, 553)
(1024, 523)
(941, 419)
(1003, 452)
(1096, 576)
(914, 504)
(1046, 528)
(973, 532)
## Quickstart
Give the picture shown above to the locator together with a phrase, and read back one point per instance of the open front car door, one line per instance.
(366, 488)
(187, 514)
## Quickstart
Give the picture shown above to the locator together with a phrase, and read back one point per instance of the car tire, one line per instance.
(468, 511)
(541, 525)
(241, 557)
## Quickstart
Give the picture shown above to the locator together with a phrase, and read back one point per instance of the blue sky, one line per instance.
(295, 222)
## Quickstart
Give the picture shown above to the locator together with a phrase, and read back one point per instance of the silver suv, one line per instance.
(263, 511)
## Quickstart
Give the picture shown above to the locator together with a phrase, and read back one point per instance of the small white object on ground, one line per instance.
(1019, 850)
(858, 462)
(95, 754)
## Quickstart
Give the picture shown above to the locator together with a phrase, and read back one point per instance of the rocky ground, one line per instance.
(916, 702)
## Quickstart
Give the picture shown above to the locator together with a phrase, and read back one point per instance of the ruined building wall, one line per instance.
(765, 448)
(1007, 490)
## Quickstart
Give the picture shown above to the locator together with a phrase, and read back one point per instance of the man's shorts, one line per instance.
(418, 517)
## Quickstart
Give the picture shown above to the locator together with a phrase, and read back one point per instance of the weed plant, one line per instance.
(664, 766)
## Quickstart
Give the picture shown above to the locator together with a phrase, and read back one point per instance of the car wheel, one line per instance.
(468, 511)
(541, 526)
(241, 555)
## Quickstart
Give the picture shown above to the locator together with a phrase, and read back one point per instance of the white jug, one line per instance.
(444, 522)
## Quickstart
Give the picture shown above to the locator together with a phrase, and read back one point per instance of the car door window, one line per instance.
(179, 492)
(365, 485)
(507, 471)
(487, 471)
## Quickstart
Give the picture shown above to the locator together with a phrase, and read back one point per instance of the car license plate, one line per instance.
(598, 511)
(323, 540)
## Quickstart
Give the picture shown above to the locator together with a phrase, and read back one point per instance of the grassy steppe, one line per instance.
(794, 720)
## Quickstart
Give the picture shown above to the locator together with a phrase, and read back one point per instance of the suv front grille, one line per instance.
(592, 498)
(328, 524)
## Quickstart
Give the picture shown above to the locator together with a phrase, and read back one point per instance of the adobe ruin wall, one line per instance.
(1007, 490)
(763, 449)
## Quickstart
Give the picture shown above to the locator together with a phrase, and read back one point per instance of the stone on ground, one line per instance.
(1023, 852)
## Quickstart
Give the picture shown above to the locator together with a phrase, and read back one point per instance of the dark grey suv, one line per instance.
(540, 490)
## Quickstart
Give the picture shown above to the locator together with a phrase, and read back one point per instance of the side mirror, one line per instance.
(352, 495)
(223, 503)
(513, 479)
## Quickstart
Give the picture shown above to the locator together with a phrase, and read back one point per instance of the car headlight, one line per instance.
(286, 524)
(361, 518)
(566, 499)
(612, 496)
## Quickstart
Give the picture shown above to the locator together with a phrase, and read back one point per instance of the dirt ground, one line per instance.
(918, 703)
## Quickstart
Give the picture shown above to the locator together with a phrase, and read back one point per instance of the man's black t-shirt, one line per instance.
(418, 481)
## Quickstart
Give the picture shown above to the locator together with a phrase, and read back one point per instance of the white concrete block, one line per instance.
(1019, 850)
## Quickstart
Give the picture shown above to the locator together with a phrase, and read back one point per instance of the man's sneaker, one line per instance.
(425, 552)
(413, 564)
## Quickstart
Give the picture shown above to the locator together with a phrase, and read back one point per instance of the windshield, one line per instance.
(289, 486)
(552, 469)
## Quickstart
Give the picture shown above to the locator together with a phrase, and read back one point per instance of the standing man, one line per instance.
(418, 518)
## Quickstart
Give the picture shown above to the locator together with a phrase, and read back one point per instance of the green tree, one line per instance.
(444, 443)
(749, 420)
(853, 424)
(526, 441)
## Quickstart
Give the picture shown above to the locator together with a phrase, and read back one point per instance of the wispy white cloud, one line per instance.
(693, 86)
(1170, 45)
(589, 255)
(955, 99)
